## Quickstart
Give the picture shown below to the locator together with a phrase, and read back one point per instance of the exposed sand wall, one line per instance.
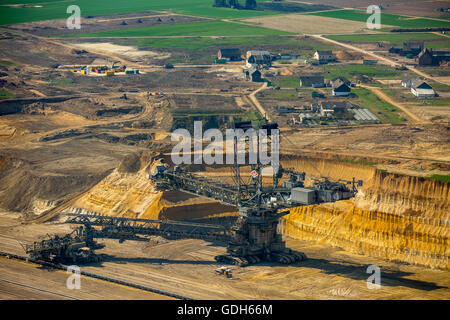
(395, 217)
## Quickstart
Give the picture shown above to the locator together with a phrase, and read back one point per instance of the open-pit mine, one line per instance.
(87, 176)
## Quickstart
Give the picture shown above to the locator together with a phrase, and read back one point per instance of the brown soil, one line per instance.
(403, 7)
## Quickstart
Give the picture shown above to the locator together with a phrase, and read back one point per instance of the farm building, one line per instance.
(284, 110)
(409, 47)
(428, 57)
(324, 56)
(340, 88)
(284, 56)
(233, 54)
(257, 53)
(408, 82)
(343, 79)
(421, 89)
(441, 56)
(370, 62)
(364, 115)
(335, 107)
(253, 74)
(425, 58)
(314, 81)
(258, 59)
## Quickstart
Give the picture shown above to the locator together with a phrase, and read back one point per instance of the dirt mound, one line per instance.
(20, 186)
(348, 55)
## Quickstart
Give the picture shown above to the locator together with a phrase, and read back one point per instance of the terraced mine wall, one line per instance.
(12, 106)
(396, 217)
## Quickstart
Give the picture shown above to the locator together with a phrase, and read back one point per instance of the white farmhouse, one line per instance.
(421, 89)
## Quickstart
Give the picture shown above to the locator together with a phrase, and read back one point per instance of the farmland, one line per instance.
(386, 19)
(57, 9)
(431, 39)
(203, 43)
(206, 28)
(385, 111)
(351, 70)
(306, 24)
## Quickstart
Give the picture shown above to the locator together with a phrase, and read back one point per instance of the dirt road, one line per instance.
(258, 105)
(380, 94)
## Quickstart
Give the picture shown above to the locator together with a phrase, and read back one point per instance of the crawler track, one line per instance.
(96, 276)
(39, 289)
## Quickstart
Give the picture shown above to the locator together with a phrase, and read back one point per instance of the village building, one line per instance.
(409, 47)
(428, 57)
(408, 81)
(441, 56)
(324, 56)
(343, 79)
(232, 54)
(258, 59)
(340, 88)
(370, 62)
(314, 81)
(425, 58)
(253, 74)
(421, 89)
(334, 107)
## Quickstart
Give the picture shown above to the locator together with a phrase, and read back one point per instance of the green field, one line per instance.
(386, 19)
(57, 9)
(351, 70)
(396, 39)
(5, 94)
(440, 177)
(386, 112)
(286, 82)
(204, 28)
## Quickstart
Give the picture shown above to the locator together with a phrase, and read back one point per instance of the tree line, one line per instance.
(249, 4)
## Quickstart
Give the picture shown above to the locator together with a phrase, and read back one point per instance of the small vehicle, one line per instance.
(224, 271)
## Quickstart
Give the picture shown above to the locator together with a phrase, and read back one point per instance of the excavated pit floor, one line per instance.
(187, 267)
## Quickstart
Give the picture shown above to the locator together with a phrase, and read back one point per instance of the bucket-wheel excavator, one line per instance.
(260, 203)
(254, 236)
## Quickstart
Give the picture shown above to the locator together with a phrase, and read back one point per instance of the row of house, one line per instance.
(423, 56)
(263, 57)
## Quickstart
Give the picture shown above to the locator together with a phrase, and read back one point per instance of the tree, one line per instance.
(233, 3)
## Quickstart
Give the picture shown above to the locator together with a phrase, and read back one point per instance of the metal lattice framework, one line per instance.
(133, 229)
